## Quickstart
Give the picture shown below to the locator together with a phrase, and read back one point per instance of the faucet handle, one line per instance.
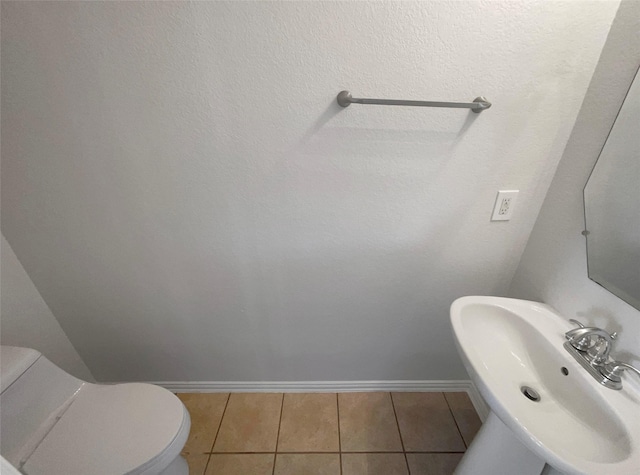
(612, 371)
(576, 322)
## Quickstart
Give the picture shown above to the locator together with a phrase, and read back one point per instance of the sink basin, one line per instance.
(578, 426)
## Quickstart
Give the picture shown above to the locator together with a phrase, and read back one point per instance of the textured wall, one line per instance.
(192, 205)
(27, 321)
(554, 266)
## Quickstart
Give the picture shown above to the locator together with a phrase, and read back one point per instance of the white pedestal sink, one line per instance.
(566, 419)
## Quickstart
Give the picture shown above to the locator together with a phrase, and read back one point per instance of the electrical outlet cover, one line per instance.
(505, 202)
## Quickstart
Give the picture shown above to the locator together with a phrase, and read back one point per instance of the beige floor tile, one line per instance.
(250, 423)
(309, 423)
(205, 411)
(426, 423)
(240, 464)
(433, 464)
(367, 423)
(197, 463)
(374, 464)
(465, 415)
(307, 464)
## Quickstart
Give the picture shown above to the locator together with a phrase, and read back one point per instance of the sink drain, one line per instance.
(530, 393)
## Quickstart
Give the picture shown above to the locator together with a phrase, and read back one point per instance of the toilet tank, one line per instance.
(34, 393)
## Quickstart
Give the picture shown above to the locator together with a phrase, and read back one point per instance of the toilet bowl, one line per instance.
(55, 424)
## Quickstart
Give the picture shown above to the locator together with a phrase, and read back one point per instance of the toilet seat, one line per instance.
(131, 428)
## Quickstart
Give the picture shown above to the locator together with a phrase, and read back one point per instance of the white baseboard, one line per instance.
(312, 386)
(329, 387)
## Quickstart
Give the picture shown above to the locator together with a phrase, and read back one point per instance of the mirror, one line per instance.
(612, 205)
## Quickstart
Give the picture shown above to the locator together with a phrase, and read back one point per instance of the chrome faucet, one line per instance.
(580, 339)
(594, 356)
(581, 344)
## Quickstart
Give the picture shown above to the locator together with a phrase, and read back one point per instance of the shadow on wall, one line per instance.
(389, 141)
(604, 318)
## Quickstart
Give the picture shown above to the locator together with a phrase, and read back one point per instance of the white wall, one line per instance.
(554, 267)
(193, 205)
(25, 319)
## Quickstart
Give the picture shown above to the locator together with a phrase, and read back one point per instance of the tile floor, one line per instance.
(328, 434)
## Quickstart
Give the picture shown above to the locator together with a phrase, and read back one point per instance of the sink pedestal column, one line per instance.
(496, 450)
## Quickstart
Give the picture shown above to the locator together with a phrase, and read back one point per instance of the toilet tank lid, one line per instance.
(14, 361)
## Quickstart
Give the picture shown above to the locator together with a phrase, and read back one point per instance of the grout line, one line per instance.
(278, 436)
(206, 465)
(372, 452)
(217, 432)
(439, 452)
(400, 432)
(339, 439)
(455, 421)
(224, 411)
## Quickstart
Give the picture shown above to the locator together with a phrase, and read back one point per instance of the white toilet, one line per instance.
(52, 423)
